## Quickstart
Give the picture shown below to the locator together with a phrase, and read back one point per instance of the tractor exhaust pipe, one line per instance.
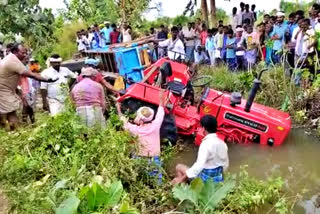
(253, 91)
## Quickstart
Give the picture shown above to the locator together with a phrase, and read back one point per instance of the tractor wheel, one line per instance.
(169, 131)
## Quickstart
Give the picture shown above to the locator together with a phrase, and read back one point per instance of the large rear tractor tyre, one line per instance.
(168, 131)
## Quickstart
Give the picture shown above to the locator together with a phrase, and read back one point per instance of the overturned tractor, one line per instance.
(239, 120)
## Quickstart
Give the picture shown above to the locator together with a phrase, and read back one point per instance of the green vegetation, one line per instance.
(59, 166)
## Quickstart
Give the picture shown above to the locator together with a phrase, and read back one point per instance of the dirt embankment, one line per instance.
(4, 204)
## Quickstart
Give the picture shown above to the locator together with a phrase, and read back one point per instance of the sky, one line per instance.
(173, 8)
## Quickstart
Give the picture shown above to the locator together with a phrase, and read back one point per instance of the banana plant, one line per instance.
(201, 197)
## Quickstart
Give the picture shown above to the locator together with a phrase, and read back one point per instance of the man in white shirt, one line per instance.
(235, 19)
(174, 45)
(200, 56)
(212, 156)
(189, 36)
(304, 37)
(53, 94)
(80, 43)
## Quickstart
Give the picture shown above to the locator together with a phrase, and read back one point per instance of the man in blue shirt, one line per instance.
(106, 32)
(277, 36)
(231, 51)
(292, 24)
(96, 37)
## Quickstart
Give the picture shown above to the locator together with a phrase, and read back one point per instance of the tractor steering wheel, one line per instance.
(201, 81)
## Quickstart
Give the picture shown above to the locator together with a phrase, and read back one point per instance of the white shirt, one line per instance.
(239, 45)
(174, 48)
(55, 90)
(307, 40)
(81, 45)
(200, 57)
(213, 152)
(189, 34)
(90, 37)
(235, 20)
(126, 35)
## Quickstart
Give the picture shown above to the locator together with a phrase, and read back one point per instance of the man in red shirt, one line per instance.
(114, 35)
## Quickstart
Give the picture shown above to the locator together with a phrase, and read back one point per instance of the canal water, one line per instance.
(297, 161)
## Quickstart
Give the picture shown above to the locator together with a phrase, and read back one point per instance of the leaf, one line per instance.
(61, 184)
(211, 194)
(96, 196)
(197, 185)
(185, 193)
(126, 209)
(68, 206)
(114, 194)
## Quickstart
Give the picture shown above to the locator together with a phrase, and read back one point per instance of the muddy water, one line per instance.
(297, 161)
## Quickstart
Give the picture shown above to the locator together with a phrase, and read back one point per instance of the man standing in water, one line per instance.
(212, 156)
(11, 70)
(147, 130)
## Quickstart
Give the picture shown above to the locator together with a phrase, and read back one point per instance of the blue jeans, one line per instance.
(155, 164)
(232, 63)
(189, 53)
(241, 63)
(276, 57)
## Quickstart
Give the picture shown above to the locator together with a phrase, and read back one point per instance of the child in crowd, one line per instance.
(251, 41)
(211, 46)
(218, 38)
(203, 35)
(231, 50)
(224, 46)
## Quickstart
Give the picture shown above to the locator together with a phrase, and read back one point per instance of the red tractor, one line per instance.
(239, 120)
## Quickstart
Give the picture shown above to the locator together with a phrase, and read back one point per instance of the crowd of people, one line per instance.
(240, 45)
(100, 36)
(244, 42)
(21, 77)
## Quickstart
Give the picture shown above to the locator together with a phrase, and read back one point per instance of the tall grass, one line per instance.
(276, 88)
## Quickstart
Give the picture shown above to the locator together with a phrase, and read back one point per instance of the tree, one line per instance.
(204, 10)
(92, 11)
(27, 18)
(213, 11)
(98, 11)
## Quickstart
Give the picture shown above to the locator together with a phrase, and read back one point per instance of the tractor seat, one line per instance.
(176, 87)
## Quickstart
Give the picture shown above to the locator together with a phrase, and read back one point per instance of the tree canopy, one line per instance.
(28, 18)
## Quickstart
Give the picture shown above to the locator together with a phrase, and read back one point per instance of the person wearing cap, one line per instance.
(53, 94)
(212, 158)
(147, 130)
(106, 32)
(12, 68)
(97, 76)
(89, 99)
(277, 36)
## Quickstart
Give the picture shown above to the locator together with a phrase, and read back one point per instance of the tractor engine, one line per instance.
(240, 121)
